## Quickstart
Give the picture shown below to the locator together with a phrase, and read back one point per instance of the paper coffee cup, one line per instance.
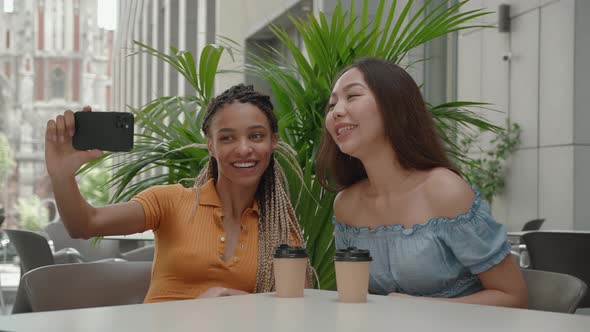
(290, 265)
(352, 274)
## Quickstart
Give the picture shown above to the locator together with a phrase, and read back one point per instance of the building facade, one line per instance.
(184, 24)
(536, 74)
(53, 57)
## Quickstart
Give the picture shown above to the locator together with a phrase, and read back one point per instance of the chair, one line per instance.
(4, 248)
(143, 254)
(561, 252)
(2, 216)
(533, 225)
(556, 292)
(86, 285)
(34, 250)
(62, 239)
(105, 249)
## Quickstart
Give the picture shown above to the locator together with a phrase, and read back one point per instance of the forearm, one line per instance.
(492, 297)
(74, 211)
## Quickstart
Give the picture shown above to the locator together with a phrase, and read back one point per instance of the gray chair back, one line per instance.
(561, 252)
(556, 292)
(87, 285)
(32, 249)
(533, 225)
(62, 239)
(145, 253)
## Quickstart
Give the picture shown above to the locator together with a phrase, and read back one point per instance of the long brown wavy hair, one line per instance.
(408, 125)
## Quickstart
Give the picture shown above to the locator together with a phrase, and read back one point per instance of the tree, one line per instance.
(7, 162)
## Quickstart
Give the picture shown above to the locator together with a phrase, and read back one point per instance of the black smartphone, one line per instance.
(106, 131)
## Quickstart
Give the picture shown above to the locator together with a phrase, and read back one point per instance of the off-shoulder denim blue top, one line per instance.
(439, 258)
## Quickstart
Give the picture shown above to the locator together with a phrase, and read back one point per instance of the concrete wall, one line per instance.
(541, 88)
(253, 19)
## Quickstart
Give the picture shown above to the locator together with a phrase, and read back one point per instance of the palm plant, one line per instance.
(169, 146)
(301, 81)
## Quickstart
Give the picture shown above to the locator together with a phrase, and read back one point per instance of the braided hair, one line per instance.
(277, 220)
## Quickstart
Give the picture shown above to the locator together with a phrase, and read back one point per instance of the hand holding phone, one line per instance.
(97, 132)
(106, 131)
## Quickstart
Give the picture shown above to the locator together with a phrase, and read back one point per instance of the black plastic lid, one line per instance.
(352, 254)
(286, 251)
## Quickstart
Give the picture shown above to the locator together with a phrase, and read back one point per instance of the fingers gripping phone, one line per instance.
(106, 131)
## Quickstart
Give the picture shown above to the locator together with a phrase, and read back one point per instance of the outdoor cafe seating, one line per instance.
(110, 295)
(561, 252)
(85, 285)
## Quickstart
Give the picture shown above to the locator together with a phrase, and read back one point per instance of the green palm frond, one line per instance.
(169, 145)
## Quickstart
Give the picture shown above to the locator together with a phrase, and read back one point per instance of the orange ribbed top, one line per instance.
(189, 248)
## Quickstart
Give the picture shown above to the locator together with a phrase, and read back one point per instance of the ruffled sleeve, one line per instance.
(340, 237)
(475, 238)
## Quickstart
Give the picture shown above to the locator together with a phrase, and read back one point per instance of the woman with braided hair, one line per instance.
(215, 239)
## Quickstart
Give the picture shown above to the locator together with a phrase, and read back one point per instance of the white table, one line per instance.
(515, 238)
(519, 233)
(317, 311)
(145, 236)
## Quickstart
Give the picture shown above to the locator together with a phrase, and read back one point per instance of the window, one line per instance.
(57, 84)
(9, 6)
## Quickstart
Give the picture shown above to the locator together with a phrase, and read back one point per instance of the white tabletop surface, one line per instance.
(518, 233)
(145, 236)
(317, 311)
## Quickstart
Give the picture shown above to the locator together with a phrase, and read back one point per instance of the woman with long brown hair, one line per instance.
(215, 239)
(429, 233)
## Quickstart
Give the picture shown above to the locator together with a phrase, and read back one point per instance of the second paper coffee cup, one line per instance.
(352, 274)
(290, 264)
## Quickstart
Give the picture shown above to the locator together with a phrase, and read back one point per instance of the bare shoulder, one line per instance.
(447, 193)
(346, 202)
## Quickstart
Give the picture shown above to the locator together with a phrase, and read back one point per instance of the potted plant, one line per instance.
(486, 173)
